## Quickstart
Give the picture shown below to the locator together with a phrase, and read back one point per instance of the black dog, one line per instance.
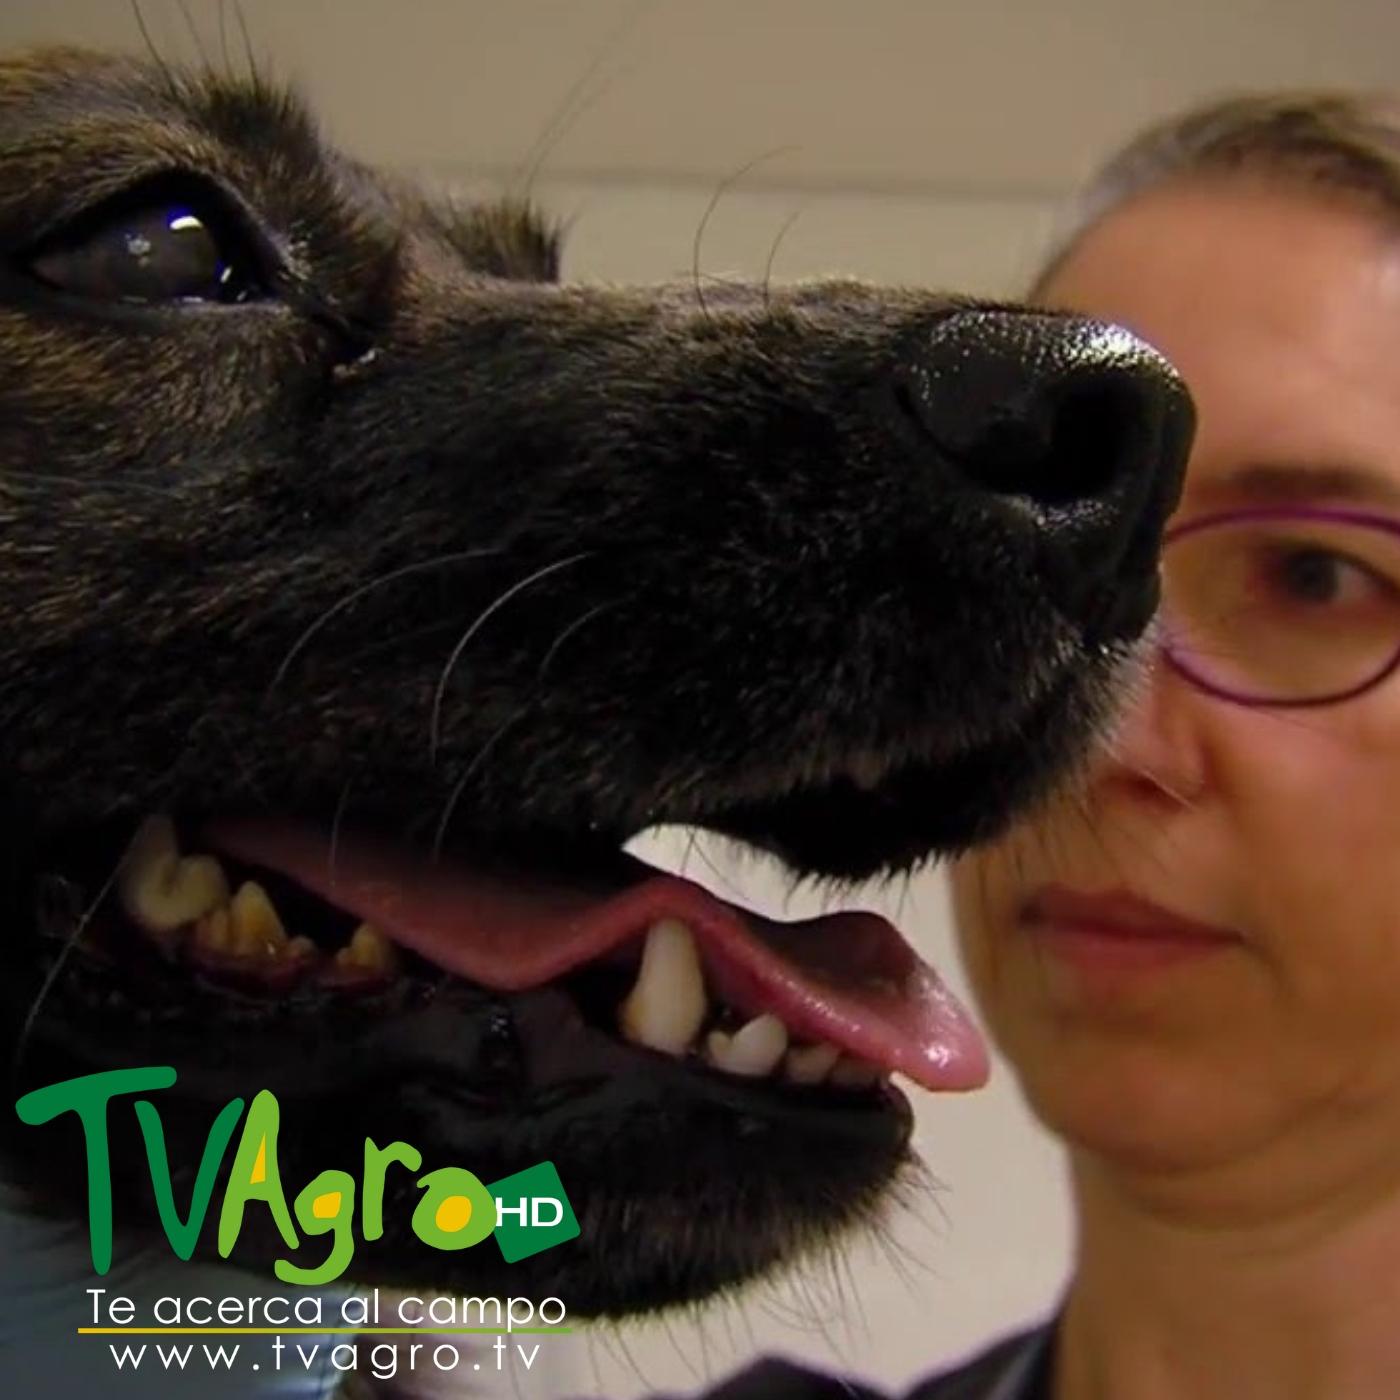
(408, 585)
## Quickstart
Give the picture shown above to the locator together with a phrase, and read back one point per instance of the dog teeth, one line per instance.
(159, 889)
(368, 951)
(249, 930)
(810, 1064)
(247, 927)
(666, 1006)
(753, 1050)
(255, 928)
(177, 899)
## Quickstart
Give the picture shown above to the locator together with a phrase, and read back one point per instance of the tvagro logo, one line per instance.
(526, 1213)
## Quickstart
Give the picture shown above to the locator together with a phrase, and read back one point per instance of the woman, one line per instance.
(1193, 962)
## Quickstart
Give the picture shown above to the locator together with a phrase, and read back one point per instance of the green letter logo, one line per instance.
(88, 1097)
(456, 1211)
(254, 1175)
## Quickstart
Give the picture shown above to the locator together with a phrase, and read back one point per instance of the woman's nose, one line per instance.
(1155, 750)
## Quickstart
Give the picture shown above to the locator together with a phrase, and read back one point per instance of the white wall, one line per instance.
(643, 230)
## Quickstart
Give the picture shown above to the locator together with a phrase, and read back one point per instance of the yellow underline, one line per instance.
(315, 1331)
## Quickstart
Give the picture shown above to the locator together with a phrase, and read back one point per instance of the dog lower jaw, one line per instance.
(648, 1146)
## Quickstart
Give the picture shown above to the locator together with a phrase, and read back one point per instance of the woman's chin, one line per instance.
(1144, 1113)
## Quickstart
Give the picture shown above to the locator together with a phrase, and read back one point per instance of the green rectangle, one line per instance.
(532, 1212)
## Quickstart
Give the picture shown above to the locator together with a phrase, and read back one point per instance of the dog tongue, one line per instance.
(848, 978)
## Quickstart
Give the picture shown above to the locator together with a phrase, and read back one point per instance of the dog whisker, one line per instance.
(612, 1340)
(720, 191)
(223, 38)
(195, 38)
(700, 1374)
(718, 279)
(377, 648)
(569, 631)
(354, 596)
(336, 820)
(118, 486)
(56, 970)
(440, 834)
(573, 105)
(772, 255)
(434, 719)
(254, 70)
(692, 836)
(162, 67)
(802, 1312)
(726, 1319)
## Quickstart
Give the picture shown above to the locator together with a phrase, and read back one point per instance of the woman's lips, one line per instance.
(1114, 930)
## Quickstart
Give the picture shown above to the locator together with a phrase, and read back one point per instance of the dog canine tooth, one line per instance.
(666, 1006)
(159, 889)
(255, 924)
(753, 1050)
(368, 951)
(810, 1064)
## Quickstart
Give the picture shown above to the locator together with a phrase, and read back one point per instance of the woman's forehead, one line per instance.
(1195, 253)
(1282, 310)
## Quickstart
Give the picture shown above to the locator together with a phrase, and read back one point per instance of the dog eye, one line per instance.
(155, 245)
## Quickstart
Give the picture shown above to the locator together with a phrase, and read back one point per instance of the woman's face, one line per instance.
(1266, 1027)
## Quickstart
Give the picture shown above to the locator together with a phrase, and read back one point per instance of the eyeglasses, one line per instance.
(1283, 606)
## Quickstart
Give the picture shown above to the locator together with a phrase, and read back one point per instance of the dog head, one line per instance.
(347, 554)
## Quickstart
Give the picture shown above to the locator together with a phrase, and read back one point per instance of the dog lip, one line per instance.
(848, 978)
(1116, 912)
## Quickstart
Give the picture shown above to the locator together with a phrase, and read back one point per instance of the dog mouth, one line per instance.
(276, 914)
(653, 1041)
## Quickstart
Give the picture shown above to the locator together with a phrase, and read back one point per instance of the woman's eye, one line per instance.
(1318, 576)
(152, 249)
(1311, 575)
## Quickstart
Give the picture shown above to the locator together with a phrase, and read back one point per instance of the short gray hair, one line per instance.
(1342, 143)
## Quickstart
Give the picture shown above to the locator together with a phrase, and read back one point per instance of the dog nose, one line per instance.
(1081, 423)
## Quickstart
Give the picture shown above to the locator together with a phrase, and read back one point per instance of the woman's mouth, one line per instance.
(1115, 931)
